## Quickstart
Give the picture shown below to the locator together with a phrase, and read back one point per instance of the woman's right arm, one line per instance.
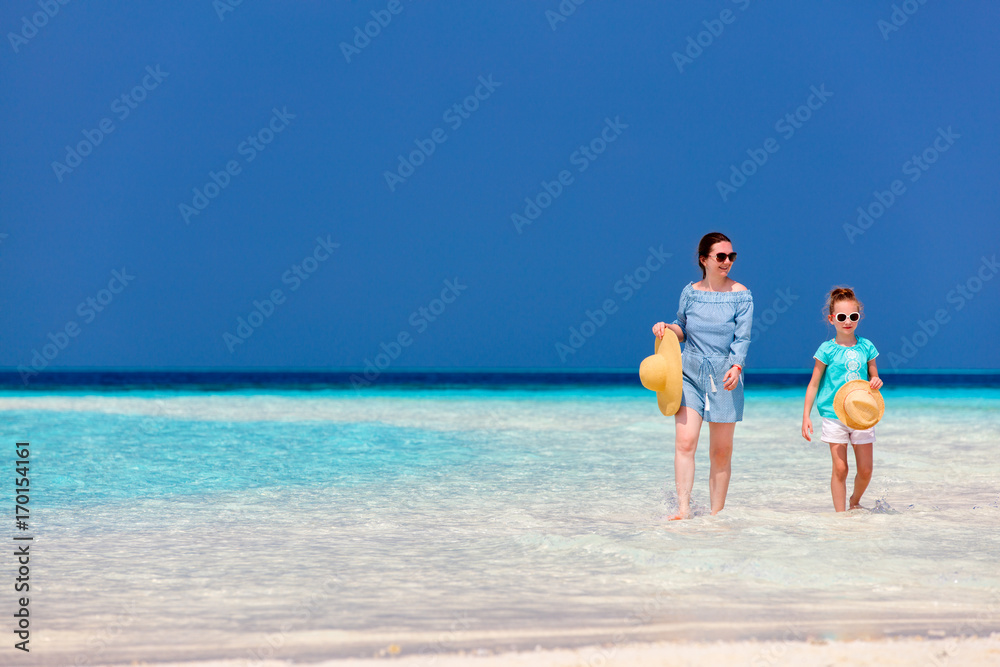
(660, 328)
(678, 326)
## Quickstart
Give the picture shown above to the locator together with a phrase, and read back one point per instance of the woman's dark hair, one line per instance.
(707, 241)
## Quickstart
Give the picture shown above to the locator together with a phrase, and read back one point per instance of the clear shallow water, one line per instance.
(337, 521)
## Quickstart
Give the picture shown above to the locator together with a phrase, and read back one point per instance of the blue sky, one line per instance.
(283, 125)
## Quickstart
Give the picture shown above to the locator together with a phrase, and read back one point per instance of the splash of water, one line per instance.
(883, 507)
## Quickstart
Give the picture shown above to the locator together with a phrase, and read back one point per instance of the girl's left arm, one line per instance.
(875, 381)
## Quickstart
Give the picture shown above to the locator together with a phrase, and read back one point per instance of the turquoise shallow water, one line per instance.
(337, 520)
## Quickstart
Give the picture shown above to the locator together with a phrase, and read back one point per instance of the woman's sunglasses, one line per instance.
(842, 317)
(720, 257)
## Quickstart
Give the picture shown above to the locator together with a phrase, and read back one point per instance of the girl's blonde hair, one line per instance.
(845, 293)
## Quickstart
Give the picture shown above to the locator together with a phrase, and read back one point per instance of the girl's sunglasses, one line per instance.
(842, 317)
(720, 257)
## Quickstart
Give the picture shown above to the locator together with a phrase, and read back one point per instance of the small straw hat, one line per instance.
(661, 372)
(858, 405)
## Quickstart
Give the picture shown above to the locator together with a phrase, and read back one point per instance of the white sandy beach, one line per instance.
(916, 650)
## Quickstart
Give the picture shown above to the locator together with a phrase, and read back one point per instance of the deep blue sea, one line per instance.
(296, 518)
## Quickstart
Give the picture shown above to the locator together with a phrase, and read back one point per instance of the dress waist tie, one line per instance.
(706, 368)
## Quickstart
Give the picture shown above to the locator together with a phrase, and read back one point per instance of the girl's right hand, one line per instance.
(807, 428)
(659, 329)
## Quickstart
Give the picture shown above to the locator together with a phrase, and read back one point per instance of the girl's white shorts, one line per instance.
(835, 430)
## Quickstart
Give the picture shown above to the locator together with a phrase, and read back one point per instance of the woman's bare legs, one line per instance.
(720, 454)
(687, 424)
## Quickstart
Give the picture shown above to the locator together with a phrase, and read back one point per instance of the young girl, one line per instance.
(847, 357)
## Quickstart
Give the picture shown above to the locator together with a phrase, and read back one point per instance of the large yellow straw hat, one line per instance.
(858, 405)
(661, 372)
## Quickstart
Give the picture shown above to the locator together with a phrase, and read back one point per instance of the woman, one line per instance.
(713, 322)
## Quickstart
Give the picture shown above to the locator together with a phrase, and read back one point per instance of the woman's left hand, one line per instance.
(731, 377)
(875, 382)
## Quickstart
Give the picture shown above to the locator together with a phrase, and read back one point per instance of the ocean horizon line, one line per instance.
(360, 378)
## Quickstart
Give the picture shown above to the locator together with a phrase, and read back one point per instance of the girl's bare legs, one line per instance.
(863, 459)
(838, 480)
(687, 424)
(720, 454)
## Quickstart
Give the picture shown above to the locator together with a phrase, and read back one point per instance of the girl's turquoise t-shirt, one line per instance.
(843, 364)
